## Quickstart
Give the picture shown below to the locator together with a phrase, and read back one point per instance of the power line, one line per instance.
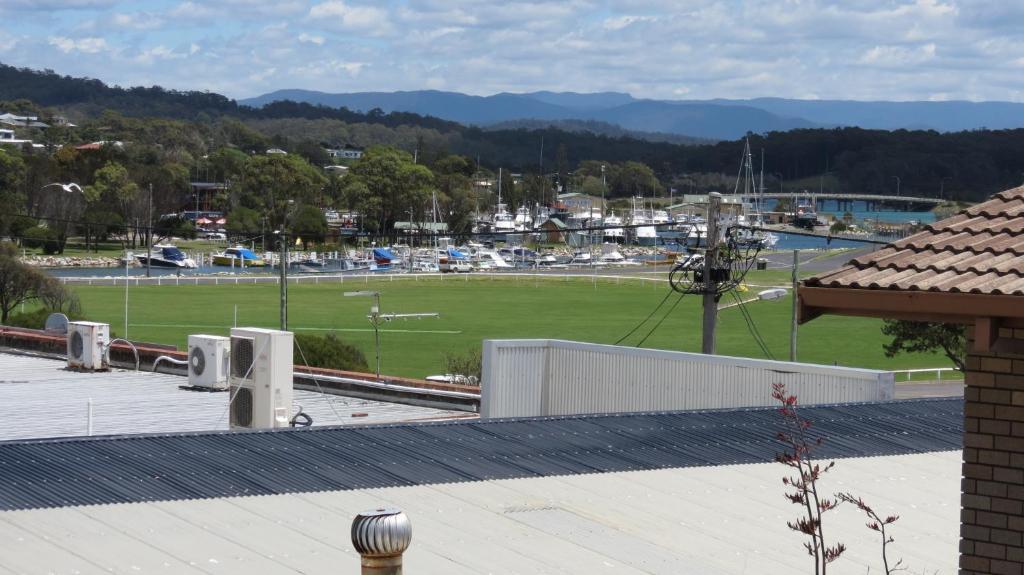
(663, 318)
(752, 326)
(646, 319)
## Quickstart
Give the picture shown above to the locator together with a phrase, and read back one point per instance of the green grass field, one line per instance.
(474, 308)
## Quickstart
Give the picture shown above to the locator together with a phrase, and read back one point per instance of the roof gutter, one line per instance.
(944, 307)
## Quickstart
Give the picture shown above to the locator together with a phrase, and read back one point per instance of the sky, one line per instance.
(663, 49)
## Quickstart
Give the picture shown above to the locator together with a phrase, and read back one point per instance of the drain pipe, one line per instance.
(169, 359)
(381, 536)
(135, 350)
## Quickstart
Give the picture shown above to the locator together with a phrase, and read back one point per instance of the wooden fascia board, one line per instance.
(911, 305)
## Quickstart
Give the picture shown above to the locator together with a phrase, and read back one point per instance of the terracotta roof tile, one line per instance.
(980, 250)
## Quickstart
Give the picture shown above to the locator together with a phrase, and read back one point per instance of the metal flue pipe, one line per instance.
(381, 537)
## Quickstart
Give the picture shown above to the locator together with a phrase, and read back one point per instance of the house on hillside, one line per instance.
(968, 270)
(8, 138)
(8, 119)
(345, 153)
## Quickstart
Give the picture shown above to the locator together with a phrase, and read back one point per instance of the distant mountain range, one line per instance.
(710, 119)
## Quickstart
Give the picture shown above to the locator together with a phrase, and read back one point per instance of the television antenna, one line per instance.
(377, 318)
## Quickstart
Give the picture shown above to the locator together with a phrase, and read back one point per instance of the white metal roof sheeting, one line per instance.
(702, 520)
(43, 399)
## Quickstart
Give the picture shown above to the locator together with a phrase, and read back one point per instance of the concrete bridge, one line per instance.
(870, 198)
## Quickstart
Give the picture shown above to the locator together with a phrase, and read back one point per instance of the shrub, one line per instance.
(40, 237)
(35, 319)
(468, 365)
(329, 352)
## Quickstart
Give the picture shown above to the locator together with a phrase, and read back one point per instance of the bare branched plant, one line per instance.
(798, 455)
(878, 524)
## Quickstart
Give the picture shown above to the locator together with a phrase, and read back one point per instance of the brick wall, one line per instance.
(992, 503)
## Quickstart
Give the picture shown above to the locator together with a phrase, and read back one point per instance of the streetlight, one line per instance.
(776, 294)
(942, 186)
(897, 178)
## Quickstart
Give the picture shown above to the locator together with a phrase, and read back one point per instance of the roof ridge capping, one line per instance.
(458, 422)
(996, 204)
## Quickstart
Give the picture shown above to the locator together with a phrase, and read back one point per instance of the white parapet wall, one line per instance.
(538, 377)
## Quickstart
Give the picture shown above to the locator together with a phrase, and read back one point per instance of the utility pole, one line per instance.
(604, 188)
(793, 325)
(149, 235)
(284, 267)
(284, 280)
(710, 275)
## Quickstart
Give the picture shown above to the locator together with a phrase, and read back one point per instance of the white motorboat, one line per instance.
(581, 258)
(523, 221)
(610, 255)
(166, 256)
(488, 258)
(612, 233)
(644, 234)
(503, 222)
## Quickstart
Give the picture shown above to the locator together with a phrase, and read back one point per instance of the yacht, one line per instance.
(488, 258)
(166, 256)
(523, 221)
(644, 234)
(503, 222)
(611, 255)
(238, 256)
(611, 233)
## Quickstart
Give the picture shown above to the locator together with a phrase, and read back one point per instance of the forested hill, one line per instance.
(966, 165)
(89, 97)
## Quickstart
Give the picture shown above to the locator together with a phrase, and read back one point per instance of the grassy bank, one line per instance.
(474, 308)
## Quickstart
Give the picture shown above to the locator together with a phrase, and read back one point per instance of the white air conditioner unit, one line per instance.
(87, 344)
(261, 378)
(208, 361)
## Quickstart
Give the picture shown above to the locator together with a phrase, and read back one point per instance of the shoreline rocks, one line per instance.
(70, 261)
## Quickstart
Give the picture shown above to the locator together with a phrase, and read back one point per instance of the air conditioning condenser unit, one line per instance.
(87, 345)
(261, 378)
(208, 361)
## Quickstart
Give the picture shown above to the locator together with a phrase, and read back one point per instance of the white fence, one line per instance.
(524, 378)
(656, 279)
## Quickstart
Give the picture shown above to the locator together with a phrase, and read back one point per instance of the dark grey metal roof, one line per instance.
(57, 473)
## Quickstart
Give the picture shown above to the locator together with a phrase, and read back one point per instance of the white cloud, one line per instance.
(7, 42)
(311, 39)
(341, 15)
(898, 56)
(136, 21)
(86, 45)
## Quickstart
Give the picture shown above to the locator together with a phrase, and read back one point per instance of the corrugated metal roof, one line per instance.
(43, 399)
(980, 250)
(56, 473)
(700, 520)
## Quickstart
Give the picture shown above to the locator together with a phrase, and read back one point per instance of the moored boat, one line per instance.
(166, 256)
(238, 256)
